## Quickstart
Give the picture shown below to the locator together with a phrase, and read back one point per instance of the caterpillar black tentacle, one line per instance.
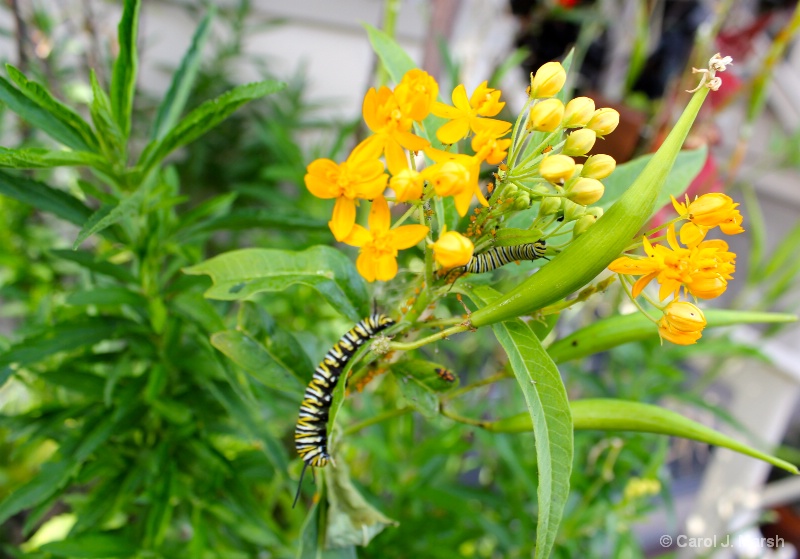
(311, 433)
(499, 256)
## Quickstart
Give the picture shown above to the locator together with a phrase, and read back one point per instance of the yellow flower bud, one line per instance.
(582, 225)
(598, 166)
(407, 185)
(546, 115)
(452, 250)
(708, 288)
(548, 80)
(682, 323)
(604, 121)
(578, 112)
(579, 142)
(448, 178)
(557, 168)
(586, 191)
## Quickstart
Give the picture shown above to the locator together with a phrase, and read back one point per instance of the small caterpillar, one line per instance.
(311, 433)
(500, 256)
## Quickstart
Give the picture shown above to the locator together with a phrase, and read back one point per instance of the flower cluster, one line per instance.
(536, 170)
(698, 267)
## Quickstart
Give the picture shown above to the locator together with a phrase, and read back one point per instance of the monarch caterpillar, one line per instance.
(311, 433)
(500, 256)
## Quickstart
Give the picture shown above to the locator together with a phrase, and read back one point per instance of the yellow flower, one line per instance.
(467, 113)
(604, 121)
(489, 148)
(548, 80)
(546, 115)
(361, 176)
(598, 166)
(452, 250)
(557, 168)
(392, 128)
(377, 259)
(691, 234)
(455, 175)
(579, 142)
(416, 93)
(578, 112)
(586, 191)
(407, 185)
(711, 210)
(682, 323)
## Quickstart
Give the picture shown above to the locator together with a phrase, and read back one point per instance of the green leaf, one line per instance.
(688, 164)
(623, 415)
(509, 236)
(205, 117)
(182, 80)
(602, 335)
(87, 260)
(257, 360)
(418, 395)
(28, 105)
(106, 296)
(97, 545)
(34, 158)
(108, 215)
(351, 519)
(64, 336)
(43, 197)
(549, 411)
(433, 375)
(242, 273)
(123, 79)
(160, 512)
(112, 141)
(50, 479)
(589, 254)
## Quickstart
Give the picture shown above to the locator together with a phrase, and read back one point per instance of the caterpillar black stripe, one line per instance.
(311, 433)
(500, 256)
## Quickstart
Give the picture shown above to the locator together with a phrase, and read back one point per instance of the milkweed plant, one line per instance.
(167, 425)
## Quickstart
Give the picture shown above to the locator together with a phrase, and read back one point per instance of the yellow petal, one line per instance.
(410, 141)
(460, 99)
(379, 216)
(453, 131)
(385, 267)
(344, 217)
(462, 200)
(406, 236)
(358, 236)
(641, 283)
(396, 159)
(366, 265)
(446, 111)
(680, 208)
(369, 109)
(490, 126)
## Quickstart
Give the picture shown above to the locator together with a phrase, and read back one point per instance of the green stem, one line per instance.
(395, 346)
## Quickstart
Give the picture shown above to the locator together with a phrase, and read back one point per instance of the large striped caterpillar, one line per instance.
(500, 256)
(311, 433)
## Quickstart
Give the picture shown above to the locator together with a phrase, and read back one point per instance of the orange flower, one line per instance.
(385, 116)
(702, 270)
(416, 93)
(455, 175)
(489, 148)
(711, 210)
(682, 323)
(452, 249)
(361, 176)
(467, 113)
(377, 259)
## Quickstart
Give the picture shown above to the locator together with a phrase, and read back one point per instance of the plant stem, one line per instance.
(395, 346)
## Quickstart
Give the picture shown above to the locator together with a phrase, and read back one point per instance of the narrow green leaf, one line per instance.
(160, 511)
(106, 296)
(123, 79)
(112, 140)
(351, 519)
(623, 415)
(509, 236)
(92, 545)
(40, 118)
(616, 330)
(64, 336)
(205, 117)
(549, 411)
(256, 360)
(688, 164)
(50, 479)
(43, 197)
(34, 158)
(589, 254)
(182, 80)
(108, 215)
(87, 260)
(242, 273)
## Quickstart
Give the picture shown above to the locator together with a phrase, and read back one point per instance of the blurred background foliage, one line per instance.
(161, 440)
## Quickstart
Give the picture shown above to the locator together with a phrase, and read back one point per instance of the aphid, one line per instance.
(445, 375)
(311, 433)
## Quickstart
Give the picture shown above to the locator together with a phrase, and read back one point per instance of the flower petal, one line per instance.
(344, 218)
(460, 99)
(406, 236)
(379, 216)
(366, 265)
(358, 236)
(463, 200)
(396, 158)
(641, 283)
(446, 111)
(453, 131)
(369, 109)
(385, 267)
